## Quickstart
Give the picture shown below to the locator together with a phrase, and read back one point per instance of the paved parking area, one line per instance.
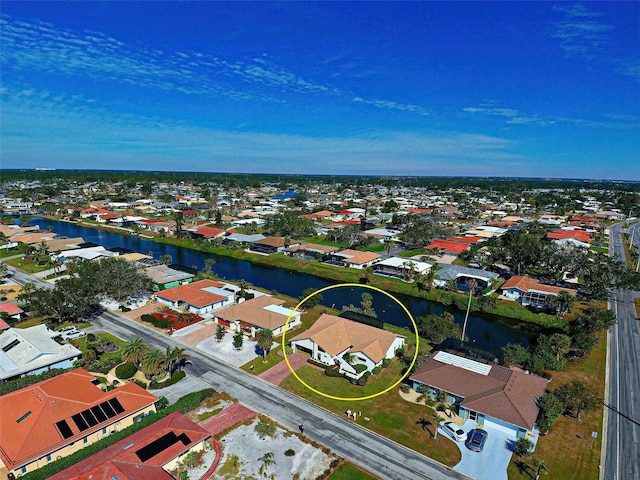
(492, 462)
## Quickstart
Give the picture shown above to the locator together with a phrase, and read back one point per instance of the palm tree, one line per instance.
(238, 340)
(265, 339)
(540, 466)
(566, 301)
(153, 362)
(267, 460)
(243, 287)
(134, 351)
(472, 283)
(437, 419)
(179, 357)
(220, 331)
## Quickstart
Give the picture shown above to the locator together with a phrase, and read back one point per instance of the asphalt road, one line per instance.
(372, 452)
(621, 445)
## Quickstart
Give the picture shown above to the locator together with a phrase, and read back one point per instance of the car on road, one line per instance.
(476, 439)
(454, 431)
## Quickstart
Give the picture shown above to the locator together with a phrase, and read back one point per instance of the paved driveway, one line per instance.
(187, 385)
(492, 462)
(280, 371)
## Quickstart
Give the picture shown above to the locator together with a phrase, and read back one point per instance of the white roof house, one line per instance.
(25, 351)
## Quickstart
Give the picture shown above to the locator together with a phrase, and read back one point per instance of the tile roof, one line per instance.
(194, 293)
(357, 257)
(271, 241)
(525, 283)
(120, 460)
(51, 401)
(313, 247)
(580, 235)
(10, 308)
(506, 394)
(336, 334)
(255, 312)
(209, 232)
(449, 246)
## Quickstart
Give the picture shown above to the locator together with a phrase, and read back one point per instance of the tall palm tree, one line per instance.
(267, 460)
(265, 340)
(566, 301)
(540, 467)
(472, 283)
(437, 418)
(134, 351)
(153, 362)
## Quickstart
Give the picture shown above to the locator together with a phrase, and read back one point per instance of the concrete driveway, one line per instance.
(492, 462)
(173, 392)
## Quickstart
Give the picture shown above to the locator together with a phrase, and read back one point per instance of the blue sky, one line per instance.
(537, 89)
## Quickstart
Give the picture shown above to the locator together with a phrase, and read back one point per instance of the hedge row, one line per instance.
(175, 378)
(183, 405)
(154, 321)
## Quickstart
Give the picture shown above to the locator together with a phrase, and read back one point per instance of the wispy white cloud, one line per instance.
(66, 132)
(43, 47)
(582, 33)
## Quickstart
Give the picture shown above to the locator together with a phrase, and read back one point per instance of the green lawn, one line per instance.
(259, 366)
(347, 471)
(29, 267)
(82, 342)
(385, 414)
(411, 253)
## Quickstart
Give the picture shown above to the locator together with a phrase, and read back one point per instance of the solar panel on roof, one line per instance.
(117, 406)
(108, 410)
(98, 413)
(79, 421)
(64, 429)
(161, 444)
(89, 418)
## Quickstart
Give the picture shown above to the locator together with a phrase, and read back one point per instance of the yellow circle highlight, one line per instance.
(350, 399)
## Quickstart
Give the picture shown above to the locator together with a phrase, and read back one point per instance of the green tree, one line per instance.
(436, 329)
(267, 462)
(576, 398)
(153, 362)
(135, 350)
(265, 340)
(220, 332)
(166, 259)
(238, 340)
(523, 447)
(516, 355)
(313, 300)
(178, 217)
(540, 467)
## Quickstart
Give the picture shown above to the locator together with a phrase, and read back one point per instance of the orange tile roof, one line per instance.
(357, 257)
(253, 312)
(579, 235)
(524, 283)
(194, 293)
(271, 241)
(336, 334)
(449, 246)
(51, 401)
(124, 463)
(209, 232)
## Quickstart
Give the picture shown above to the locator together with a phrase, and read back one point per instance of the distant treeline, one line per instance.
(496, 184)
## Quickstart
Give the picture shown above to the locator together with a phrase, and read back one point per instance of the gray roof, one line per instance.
(241, 237)
(451, 272)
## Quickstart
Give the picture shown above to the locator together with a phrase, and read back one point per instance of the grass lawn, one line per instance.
(29, 267)
(565, 449)
(259, 366)
(82, 342)
(346, 471)
(386, 414)
(411, 253)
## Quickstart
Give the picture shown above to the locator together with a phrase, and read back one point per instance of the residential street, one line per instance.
(621, 446)
(370, 451)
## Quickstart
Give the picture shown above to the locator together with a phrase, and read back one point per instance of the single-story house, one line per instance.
(149, 453)
(208, 233)
(12, 310)
(28, 351)
(448, 247)
(268, 245)
(264, 312)
(331, 338)
(404, 268)
(529, 291)
(163, 276)
(88, 253)
(491, 395)
(462, 275)
(309, 251)
(352, 258)
(199, 297)
(562, 234)
(57, 417)
(241, 238)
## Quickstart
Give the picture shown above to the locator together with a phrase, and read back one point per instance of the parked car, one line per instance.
(454, 431)
(70, 328)
(476, 439)
(73, 334)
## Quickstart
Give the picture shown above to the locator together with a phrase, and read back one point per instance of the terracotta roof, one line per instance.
(469, 239)
(33, 238)
(254, 312)
(580, 235)
(10, 308)
(123, 463)
(271, 241)
(4, 325)
(209, 232)
(25, 438)
(313, 247)
(194, 293)
(336, 334)
(449, 246)
(506, 394)
(357, 257)
(524, 283)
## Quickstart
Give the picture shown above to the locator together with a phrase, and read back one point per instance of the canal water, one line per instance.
(486, 332)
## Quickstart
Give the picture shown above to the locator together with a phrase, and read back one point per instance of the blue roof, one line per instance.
(285, 196)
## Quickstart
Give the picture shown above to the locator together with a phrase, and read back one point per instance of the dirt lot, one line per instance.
(307, 463)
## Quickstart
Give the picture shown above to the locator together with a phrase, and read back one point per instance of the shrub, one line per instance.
(333, 371)
(265, 429)
(377, 370)
(155, 322)
(360, 367)
(126, 370)
(405, 388)
(289, 453)
(91, 337)
(386, 362)
(523, 447)
(140, 383)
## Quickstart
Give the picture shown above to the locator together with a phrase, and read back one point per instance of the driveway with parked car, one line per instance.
(489, 464)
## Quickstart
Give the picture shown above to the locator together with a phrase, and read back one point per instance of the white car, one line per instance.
(454, 431)
(73, 334)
